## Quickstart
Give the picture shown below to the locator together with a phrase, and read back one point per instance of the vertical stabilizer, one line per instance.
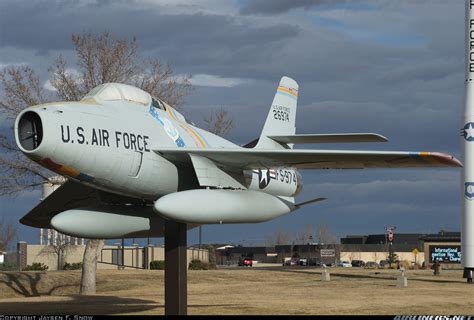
(282, 115)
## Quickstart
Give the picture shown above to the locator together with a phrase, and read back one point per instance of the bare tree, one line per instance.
(269, 240)
(61, 247)
(8, 233)
(219, 122)
(324, 234)
(283, 237)
(103, 58)
(306, 235)
(100, 58)
(21, 88)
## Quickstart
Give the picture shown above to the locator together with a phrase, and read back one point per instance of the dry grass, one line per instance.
(241, 291)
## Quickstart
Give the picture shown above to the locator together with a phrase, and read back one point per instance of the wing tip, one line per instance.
(445, 158)
(32, 223)
(380, 137)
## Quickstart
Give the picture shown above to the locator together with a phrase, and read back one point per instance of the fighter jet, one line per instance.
(133, 161)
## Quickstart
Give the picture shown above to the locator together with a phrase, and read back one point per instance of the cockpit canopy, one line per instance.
(119, 91)
(124, 92)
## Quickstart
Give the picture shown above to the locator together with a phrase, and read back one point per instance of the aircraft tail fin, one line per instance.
(282, 116)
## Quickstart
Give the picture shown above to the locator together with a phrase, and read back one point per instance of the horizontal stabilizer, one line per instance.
(242, 158)
(299, 205)
(330, 138)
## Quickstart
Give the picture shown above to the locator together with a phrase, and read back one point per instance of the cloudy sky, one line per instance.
(391, 67)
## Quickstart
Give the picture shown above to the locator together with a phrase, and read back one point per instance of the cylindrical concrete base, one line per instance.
(325, 276)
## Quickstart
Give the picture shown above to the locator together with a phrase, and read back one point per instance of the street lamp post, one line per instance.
(389, 237)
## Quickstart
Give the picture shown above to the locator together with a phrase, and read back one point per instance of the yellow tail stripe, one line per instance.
(284, 89)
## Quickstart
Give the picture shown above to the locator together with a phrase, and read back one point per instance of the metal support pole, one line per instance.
(176, 281)
(200, 243)
(146, 262)
(390, 254)
(122, 262)
(468, 275)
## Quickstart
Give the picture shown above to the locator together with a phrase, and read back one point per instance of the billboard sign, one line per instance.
(445, 254)
(327, 253)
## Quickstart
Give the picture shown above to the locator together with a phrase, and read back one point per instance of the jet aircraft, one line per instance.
(133, 161)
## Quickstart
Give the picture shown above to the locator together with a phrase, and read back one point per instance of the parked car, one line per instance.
(384, 263)
(245, 262)
(371, 265)
(314, 262)
(302, 261)
(358, 263)
(291, 262)
(345, 264)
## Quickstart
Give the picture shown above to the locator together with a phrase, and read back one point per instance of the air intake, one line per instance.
(30, 131)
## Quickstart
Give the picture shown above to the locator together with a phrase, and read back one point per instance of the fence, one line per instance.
(111, 257)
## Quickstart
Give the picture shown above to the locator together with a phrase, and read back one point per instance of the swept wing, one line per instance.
(330, 138)
(71, 195)
(313, 159)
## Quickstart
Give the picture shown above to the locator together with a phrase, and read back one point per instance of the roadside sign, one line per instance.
(415, 251)
(327, 253)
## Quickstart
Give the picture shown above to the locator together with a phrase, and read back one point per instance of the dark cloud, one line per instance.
(194, 42)
(48, 25)
(280, 6)
(221, 44)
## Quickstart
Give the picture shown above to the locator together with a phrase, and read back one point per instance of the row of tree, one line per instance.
(321, 235)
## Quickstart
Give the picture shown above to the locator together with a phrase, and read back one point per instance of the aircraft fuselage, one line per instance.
(109, 145)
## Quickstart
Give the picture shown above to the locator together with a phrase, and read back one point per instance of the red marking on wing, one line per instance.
(50, 164)
(446, 159)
